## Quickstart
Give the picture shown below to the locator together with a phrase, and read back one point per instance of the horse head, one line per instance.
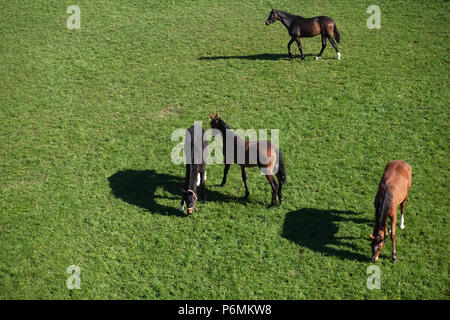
(377, 244)
(190, 198)
(217, 122)
(272, 17)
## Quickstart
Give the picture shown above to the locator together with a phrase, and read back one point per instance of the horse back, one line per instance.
(195, 144)
(398, 175)
(266, 152)
(310, 27)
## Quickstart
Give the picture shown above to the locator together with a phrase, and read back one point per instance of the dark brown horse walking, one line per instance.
(299, 27)
(392, 191)
(250, 153)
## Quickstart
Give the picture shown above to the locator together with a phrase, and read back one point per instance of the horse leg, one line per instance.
(324, 45)
(402, 208)
(393, 237)
(225, 172)
(273, 184)
(280, 196)
(244, 178)
(289, 48)
(280, 185)
(203, 185)
(299, 44)
(181, 206)
(333, 43)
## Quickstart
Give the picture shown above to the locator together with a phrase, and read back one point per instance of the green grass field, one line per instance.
(86, 118)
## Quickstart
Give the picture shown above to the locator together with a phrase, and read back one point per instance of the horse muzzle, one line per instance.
(191, 210)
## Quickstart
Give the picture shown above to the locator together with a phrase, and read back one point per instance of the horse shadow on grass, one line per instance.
(317, 229)
(262, 56)
(138, 187)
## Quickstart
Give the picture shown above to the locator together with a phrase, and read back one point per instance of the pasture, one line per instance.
(86, 118)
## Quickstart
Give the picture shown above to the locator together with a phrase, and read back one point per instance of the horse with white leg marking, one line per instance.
(392, 190)
(195, 147)
(299, 27)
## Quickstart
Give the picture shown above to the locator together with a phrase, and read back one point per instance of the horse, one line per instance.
(392, 190)
(195, 150)
(299, 27)
(250, 153)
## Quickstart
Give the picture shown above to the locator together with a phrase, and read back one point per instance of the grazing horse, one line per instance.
(252, 153)
(299, 27)
(195, 151)
(392, 191)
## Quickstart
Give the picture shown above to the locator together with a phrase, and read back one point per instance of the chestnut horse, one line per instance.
(259, 153)
(392, 191)
(299, 27)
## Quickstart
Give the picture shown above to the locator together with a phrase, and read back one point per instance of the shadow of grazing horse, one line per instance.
(317, 229)
(138, 187)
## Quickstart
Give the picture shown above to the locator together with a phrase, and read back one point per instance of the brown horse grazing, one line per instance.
(194, 150)
(299, 27)
(250, 153)
(392, 191)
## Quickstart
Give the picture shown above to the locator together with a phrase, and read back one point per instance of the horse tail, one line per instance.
(337, 35)
(281, 174)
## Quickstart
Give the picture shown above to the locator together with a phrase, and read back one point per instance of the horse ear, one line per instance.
(211, 116)
(217, 115)
(371, 236)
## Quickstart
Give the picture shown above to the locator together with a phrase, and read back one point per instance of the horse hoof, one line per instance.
(318, 58)
(394, 259)
(303, 58)
(339, 56)
(222, 185)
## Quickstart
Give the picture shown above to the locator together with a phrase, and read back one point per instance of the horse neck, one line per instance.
(286, 19)
(192, 173)
(226, 130)
(383, 209)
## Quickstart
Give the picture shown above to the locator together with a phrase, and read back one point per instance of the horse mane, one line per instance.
(224, 125)
(383, 208)
(192, 169)
(287, 14)
(224, 128)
